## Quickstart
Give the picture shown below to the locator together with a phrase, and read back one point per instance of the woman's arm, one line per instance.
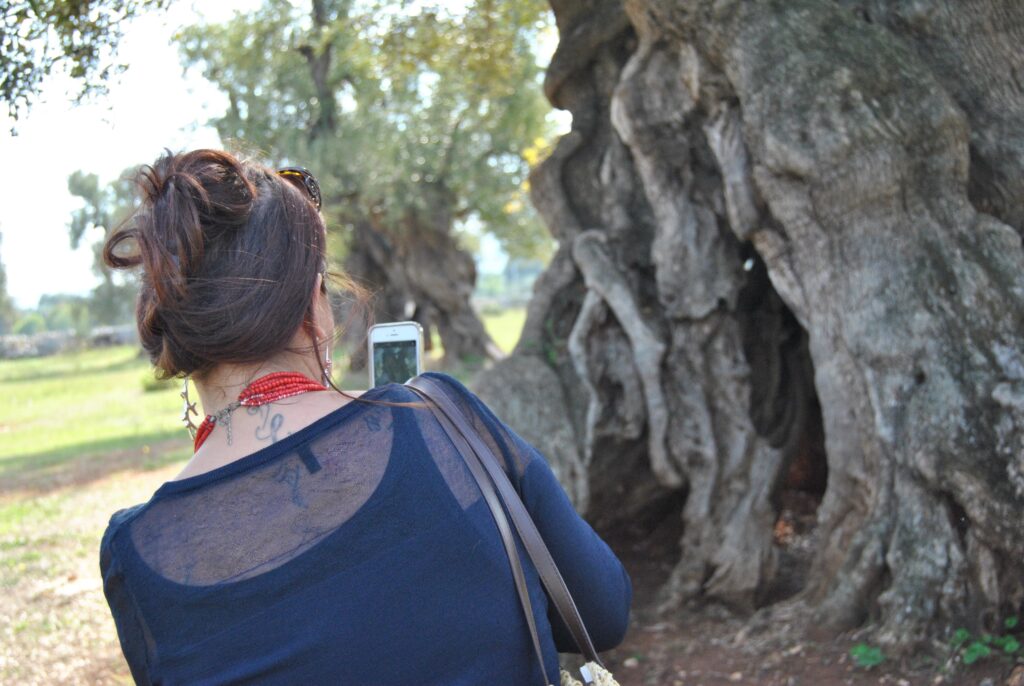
(122, 605)
(595, 577)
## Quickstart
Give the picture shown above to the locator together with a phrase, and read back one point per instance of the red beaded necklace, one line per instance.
(263, 391)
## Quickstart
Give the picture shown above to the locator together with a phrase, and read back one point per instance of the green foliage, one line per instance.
(8, 313)
(65, 312)
(491, 285)
(1008, 644)
(103, 209)
(80, 36)
(971, 649)
(974, 652)
(867, 656)
(960, 636)
(411, 117)
(31, 323)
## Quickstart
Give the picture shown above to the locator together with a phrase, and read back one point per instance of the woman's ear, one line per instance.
(323, 321)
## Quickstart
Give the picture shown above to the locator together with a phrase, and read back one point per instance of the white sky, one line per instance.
(152, 106)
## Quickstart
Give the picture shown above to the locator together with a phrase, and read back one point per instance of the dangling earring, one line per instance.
(328, 365)
(189, 409)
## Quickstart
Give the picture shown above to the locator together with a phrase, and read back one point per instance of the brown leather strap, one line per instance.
(527, 530)
(494, 503)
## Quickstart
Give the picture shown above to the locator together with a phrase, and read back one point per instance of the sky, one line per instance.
(152, 106)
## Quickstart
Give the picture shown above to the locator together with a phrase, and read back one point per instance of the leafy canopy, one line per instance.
(407, 112)
(80, 36)
(103, 209)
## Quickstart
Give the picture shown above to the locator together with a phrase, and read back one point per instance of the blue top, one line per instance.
(358, 551)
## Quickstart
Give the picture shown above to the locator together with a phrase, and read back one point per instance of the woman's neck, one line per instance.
(222, 386)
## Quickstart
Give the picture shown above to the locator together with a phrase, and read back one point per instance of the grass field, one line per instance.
(80, 437)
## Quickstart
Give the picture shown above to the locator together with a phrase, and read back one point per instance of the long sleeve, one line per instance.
(595, 577)
(129, 627)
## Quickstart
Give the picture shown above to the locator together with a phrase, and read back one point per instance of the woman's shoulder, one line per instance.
(121, 518)
(118, 523)
(464, 399)
(452, 386)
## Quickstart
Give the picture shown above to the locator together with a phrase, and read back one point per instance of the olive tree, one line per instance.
(415, 120)
(791, 230)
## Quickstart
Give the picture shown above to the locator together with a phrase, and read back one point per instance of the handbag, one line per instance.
(497, 489)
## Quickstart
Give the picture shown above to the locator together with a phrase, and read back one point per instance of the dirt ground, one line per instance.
(708, 645)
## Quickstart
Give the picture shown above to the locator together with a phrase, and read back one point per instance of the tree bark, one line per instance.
(418, 267)
(778, 217)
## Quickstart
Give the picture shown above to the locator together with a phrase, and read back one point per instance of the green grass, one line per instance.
(82, 406)
(79, 407)
(79, 439)
(505, 327)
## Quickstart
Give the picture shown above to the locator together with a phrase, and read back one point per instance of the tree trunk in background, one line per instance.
(781, 220)
(420, 264)
(370, 263)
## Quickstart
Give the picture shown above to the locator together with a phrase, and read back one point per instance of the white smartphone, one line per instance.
(396, 352)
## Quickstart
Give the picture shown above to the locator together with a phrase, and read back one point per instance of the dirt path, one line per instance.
(707, 646)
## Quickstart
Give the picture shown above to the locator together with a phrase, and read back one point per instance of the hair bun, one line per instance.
(193, 199)
(203, 234)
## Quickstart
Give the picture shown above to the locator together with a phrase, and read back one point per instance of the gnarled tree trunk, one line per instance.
(416, 262)
(420, 264)
(778, 217)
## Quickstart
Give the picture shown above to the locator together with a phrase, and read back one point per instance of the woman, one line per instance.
(314, 537)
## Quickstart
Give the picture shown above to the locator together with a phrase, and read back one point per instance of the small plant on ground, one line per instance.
(973, 648)
(867, 656)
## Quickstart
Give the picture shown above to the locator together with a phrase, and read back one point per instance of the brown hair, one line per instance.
(229, 251)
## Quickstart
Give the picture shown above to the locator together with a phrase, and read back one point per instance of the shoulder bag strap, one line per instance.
(527, 530)
(494, 504)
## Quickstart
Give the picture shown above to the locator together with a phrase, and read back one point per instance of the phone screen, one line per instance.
(394, 362)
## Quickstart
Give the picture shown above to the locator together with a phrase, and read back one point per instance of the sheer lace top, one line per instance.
(357, 550)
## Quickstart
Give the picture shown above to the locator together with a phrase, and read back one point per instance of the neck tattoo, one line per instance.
(263, 391)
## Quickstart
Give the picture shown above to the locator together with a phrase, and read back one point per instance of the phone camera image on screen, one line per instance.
(394, 362)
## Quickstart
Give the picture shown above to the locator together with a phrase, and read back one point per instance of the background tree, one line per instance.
(416, 121)
(8, 314)
(66, 312)
(104, 208)
(30, 324)
(789, 235)
(80, 36)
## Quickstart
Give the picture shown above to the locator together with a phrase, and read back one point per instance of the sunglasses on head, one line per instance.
(304, 179)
